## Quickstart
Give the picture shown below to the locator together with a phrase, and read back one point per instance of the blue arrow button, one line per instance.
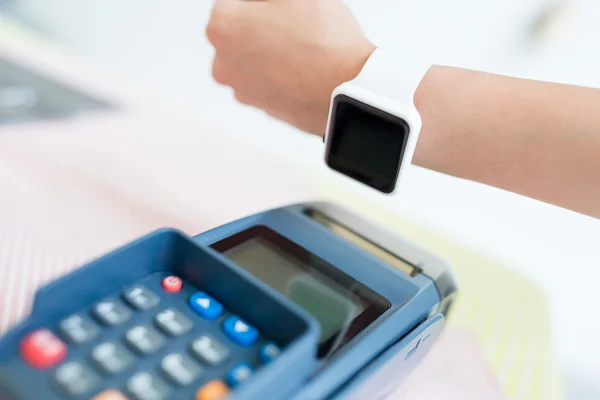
(206, 306)
(240, 332)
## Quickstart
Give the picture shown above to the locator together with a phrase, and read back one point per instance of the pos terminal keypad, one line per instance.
(188, 337)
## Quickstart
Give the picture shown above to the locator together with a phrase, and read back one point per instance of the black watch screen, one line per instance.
(367, 144)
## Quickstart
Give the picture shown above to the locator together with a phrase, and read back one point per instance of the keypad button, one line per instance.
(213, 390)
(240, 332)
(141, 298)
(110, 395)
(147, 386)
(172, 284)
(78, 329)
(111, 358)
(180, 368)
(209, 351)
(172, 322)
(111, 313)
(144, 340)
(42, 349)
(75, 379)
(206, 306)
(268, 352)
(239, 374)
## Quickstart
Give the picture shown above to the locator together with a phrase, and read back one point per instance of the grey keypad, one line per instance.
(172, 322)
(147, 386)
(111, 358)
(76, 379)
(78, 329)
(180, 368)
(111, 313)
(209, 351)
(144, 339)
(120, 334)
(141, 298)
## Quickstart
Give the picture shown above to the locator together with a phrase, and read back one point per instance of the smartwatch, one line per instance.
(373, 124)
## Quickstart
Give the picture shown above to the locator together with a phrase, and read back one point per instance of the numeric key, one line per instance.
(111, 313)
(147, 386)
(172, 322)
(144, 340)
(78, 329)
(111, 358)
(180, 368)
(76, 379)
(209, 351)
(141, 298)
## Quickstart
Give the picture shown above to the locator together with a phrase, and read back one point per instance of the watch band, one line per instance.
(393, 73)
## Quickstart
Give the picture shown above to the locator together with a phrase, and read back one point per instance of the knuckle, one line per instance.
(240, 97)
(221, 20)
(243, 98)
(219, 72)
(214, 32)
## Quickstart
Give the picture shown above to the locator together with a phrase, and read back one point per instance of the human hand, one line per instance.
(287, 56)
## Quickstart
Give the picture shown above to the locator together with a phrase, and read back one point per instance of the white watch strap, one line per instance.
(393, 73)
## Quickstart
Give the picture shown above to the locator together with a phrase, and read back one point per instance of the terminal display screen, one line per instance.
(342, 305)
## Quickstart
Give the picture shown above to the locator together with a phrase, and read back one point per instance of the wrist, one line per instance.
(440, 85)
(373, 125)
(354, 62)
(344, 67)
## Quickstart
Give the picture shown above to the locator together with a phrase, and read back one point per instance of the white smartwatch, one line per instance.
(373, 124)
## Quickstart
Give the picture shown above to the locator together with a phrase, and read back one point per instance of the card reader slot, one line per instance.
(362, 242)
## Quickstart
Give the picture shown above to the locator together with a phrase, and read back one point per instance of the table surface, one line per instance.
(543, 242)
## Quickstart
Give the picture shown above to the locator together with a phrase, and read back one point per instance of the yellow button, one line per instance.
(213, 390)
(110, 395)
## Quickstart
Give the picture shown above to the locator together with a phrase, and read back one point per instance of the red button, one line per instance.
(172, 284)
(41, 349)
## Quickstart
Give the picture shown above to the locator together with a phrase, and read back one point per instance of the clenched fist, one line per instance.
(287, 56)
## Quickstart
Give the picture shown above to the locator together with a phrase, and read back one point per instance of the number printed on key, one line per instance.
(173, 323)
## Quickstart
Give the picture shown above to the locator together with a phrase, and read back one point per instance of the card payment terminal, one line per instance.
(303, 302)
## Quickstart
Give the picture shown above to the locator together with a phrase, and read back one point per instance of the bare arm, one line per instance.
(537, 139)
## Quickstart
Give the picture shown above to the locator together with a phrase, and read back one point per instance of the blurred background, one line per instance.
(160, 45)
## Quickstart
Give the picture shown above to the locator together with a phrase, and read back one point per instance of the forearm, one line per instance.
(538, 139)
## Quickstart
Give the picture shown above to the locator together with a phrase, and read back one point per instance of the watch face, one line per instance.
(367, 144)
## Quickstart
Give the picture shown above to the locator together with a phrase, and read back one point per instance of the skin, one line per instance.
(538, 139)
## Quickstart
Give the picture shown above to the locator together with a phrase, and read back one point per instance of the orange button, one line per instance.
(213, 390)
(110, 395)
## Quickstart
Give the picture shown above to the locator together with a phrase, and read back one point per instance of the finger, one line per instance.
(230, 72)
(251, 88)
(310, 118)
(231, 20)
(255, 90)
(219, 71)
